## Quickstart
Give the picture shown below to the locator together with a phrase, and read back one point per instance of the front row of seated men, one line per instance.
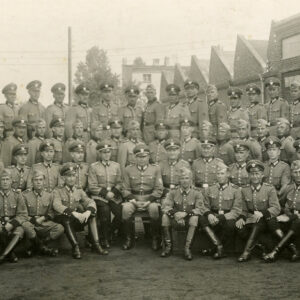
(219, 210)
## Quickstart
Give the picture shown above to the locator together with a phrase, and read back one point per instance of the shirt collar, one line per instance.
(70, 190)
(10, 104)
(33, 101)
(20, 169)
(222, 187)
(274, 163)
(105, 163)
(241, 166)
(47, 165)
(208, 160)
(185, 192)
(38, 194)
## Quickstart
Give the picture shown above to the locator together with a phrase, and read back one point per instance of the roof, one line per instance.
(287, 20)
(227, 58)
(261, 47)
(204, 67)
(169, 75)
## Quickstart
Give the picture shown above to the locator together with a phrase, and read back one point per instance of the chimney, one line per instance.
(167, 61)
(155, 61)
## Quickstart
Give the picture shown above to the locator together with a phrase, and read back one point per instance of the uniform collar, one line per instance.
(297, 187)
(105, 163)
(19, 138)
(20, 169)
(42, 138)
(275, 163)
(135, 141)
(185, 192)
(173, 163)
(142, 168)
(222, 187)
(257, 188)
(190, 101)
(296, 101)
(70, 190)
(207, 160)
(60, 105)
(47, 165)
(274, 100)
(187, 139)
(241, 166)
(5, 194)
(105, 103)
(78, 165)
(10, 104)
(253, 104)
(82, 104)
(171, 106)
(38, 194)
(33, 101)
(233, 109)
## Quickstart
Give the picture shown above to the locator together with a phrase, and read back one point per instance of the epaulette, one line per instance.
(18, 191)
(219, 159)
(11, 167)
(234, 185)
(283, 163)
(268, 184)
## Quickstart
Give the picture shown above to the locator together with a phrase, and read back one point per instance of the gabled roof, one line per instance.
(202, 66)
(261, 47)
(226, 57)
(168, 75)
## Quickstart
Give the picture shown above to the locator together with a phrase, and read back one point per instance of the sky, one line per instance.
(34, 37)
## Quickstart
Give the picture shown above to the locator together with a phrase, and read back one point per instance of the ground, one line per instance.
(142, 274)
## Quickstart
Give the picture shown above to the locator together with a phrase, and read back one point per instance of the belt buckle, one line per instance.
(109, 188)
(205, 185)
(172, 186)
(221, 212)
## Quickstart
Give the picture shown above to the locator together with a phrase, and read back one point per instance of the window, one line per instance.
(291, 46)
(147, 78)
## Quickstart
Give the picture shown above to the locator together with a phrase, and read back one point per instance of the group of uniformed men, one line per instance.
(190, 163)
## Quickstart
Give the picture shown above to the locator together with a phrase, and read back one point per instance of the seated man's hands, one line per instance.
(212, 219)
(240, 223)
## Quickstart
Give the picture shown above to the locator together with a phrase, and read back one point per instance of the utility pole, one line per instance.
(70, 65)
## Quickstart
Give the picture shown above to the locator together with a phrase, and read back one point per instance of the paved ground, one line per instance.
(141, 274)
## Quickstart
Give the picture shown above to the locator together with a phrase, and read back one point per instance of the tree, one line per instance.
(95, 70)
(138, 61)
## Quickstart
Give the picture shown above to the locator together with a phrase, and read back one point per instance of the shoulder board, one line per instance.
(193, 187)
(234, 186)
(219, 159)
(289, 138)
(11, 167)
(17, 191)
(283, 163)
(268, 184)
(251, 139)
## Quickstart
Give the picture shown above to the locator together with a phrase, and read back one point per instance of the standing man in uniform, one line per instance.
(295, 109)
(126, 156)
(19, 171)
(175, 112)
(18, 137)
(130, 112)
(277, 107)
(153, 114)
(58, 132)
(80, 111)
(34, 155)
(262, 133)
(217, 110)
(58, 109)
(105, 111)
(116, 139)
(198, 107)
(236, 112)
(142, 190)
(32, 110)
(256, 109)
(9, 110)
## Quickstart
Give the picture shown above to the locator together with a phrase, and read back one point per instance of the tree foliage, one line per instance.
(138, 61)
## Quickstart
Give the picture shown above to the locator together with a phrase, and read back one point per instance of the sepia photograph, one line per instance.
(150, 150)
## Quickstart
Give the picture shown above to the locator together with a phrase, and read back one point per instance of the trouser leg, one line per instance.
(92, 223)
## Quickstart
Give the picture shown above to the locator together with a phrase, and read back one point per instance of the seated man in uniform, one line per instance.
(69, 202)
(104, 184)
(13, 214)
(260, 207)
(223, 200)
(182, 208)
(142, 190)
(291, 218)
(41, 229)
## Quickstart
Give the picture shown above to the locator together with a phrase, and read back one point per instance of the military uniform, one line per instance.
(217, 114)
(190, 149)
(292, 207)
(7, 147)
(38, 205)
(238, 174)
(81, 112)
(158, 152)
(235, 114)
(287, 149)
(126, 156)
(19, 177)
(170, 172)
(66, 157)
(51, 172)
(104, 113)
(128, 113)
(8, 111)
(91, 153)
(261, 141)
(225, 152)
(256, 111)
(58, 150)
(153, 114)
(34, 154)
(204, 171)
(254, 147)
(105, 177)
(276, 108)
(224, 202)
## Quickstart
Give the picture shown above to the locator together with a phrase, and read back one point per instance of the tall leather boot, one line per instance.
(155, 234)
(92, 223)
(106, 235)
(71, 235)
(167, 245)
(44, 248)
(9, 248)
(271, 257)
(128, 234)
(188, 242)
(217, 243)
(249, 245)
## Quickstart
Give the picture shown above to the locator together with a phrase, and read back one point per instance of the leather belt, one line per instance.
(141, 193)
